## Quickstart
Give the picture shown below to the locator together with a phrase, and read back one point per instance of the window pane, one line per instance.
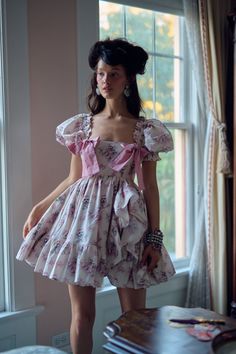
(168, 89)
(171, 175)
(145, 85)
(139, 26)
(161, 90)
(167, 34)
(111, 20)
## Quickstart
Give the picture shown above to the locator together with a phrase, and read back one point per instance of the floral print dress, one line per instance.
(95, 228)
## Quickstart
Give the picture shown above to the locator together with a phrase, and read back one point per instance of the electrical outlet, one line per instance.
(61, 340)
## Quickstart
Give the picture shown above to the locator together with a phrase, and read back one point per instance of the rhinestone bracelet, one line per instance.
(154, 238)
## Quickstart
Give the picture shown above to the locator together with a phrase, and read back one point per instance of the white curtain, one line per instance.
(213, 24)
(208, 48)
(198, 287)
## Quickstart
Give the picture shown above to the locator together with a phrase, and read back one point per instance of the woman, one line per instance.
(98, 222)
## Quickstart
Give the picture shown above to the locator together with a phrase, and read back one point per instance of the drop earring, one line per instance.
(98, 91)
(127, 91)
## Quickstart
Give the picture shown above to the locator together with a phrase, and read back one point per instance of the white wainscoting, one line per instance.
(18, 329)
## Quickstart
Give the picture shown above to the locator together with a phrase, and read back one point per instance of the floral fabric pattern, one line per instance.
(95, 228)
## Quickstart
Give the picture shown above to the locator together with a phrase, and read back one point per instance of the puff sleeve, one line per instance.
(72, 131)
(157, 138)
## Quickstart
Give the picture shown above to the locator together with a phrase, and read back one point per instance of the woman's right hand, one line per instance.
(32, 219)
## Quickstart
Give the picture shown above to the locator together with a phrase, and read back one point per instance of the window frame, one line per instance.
(2, 285)
(15, 143)
(176, 8)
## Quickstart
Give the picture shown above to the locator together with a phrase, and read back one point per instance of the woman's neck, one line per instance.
(115, 108)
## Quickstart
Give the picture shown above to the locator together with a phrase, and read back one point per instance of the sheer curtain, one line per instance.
(205, 23)
(213, 24)
(198, 287)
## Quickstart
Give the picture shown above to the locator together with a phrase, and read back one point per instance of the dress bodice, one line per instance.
(108, 157)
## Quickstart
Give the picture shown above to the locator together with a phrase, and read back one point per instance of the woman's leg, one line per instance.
(131, 299)
(83, 316)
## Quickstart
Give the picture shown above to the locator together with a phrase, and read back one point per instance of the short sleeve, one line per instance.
(72, 131)
(157, 138)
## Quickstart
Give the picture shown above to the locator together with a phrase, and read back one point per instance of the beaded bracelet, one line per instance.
(154, 238)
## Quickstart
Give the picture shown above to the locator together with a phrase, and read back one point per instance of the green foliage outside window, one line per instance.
(155, 32)
(165, 178)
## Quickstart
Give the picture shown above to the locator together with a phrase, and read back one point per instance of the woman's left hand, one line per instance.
(151, 257)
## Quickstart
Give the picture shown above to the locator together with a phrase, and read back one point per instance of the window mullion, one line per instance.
(154, 66)
(178, 125)
(124, 21)
(169, 56)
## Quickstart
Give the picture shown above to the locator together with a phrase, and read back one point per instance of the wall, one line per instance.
(53, 98)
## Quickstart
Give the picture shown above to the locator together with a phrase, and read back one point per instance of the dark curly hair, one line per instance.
(117, 52)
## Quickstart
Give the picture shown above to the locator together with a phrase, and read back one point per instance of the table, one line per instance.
(148, 331)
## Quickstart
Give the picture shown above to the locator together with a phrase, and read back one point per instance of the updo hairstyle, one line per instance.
(117, 52)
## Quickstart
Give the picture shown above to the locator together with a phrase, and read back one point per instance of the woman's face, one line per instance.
(111, 80)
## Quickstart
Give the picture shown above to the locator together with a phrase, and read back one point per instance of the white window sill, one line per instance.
(8, 316)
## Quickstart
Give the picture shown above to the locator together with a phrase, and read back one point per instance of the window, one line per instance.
(163, 89)
(17, 291)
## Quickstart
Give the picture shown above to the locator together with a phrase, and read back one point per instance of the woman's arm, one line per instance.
(151, 196)
(74, 174)
(38, 210)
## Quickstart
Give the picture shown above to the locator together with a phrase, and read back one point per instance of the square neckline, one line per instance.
(135, 135)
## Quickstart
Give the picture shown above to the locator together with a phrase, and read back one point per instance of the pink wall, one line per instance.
(53, 98)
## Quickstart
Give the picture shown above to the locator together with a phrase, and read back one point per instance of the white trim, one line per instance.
(1, 147)
(19, 280)
(174, 7)
(177, 125)
(8, 316)
(87, 34)
(190, 141)
(18, 329)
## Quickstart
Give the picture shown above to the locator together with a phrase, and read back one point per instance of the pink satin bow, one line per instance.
(131, 151)
(89, 158)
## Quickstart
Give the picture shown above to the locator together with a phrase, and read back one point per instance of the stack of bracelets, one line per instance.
(154, 238)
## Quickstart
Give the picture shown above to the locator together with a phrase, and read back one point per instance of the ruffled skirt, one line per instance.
(94, 229)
